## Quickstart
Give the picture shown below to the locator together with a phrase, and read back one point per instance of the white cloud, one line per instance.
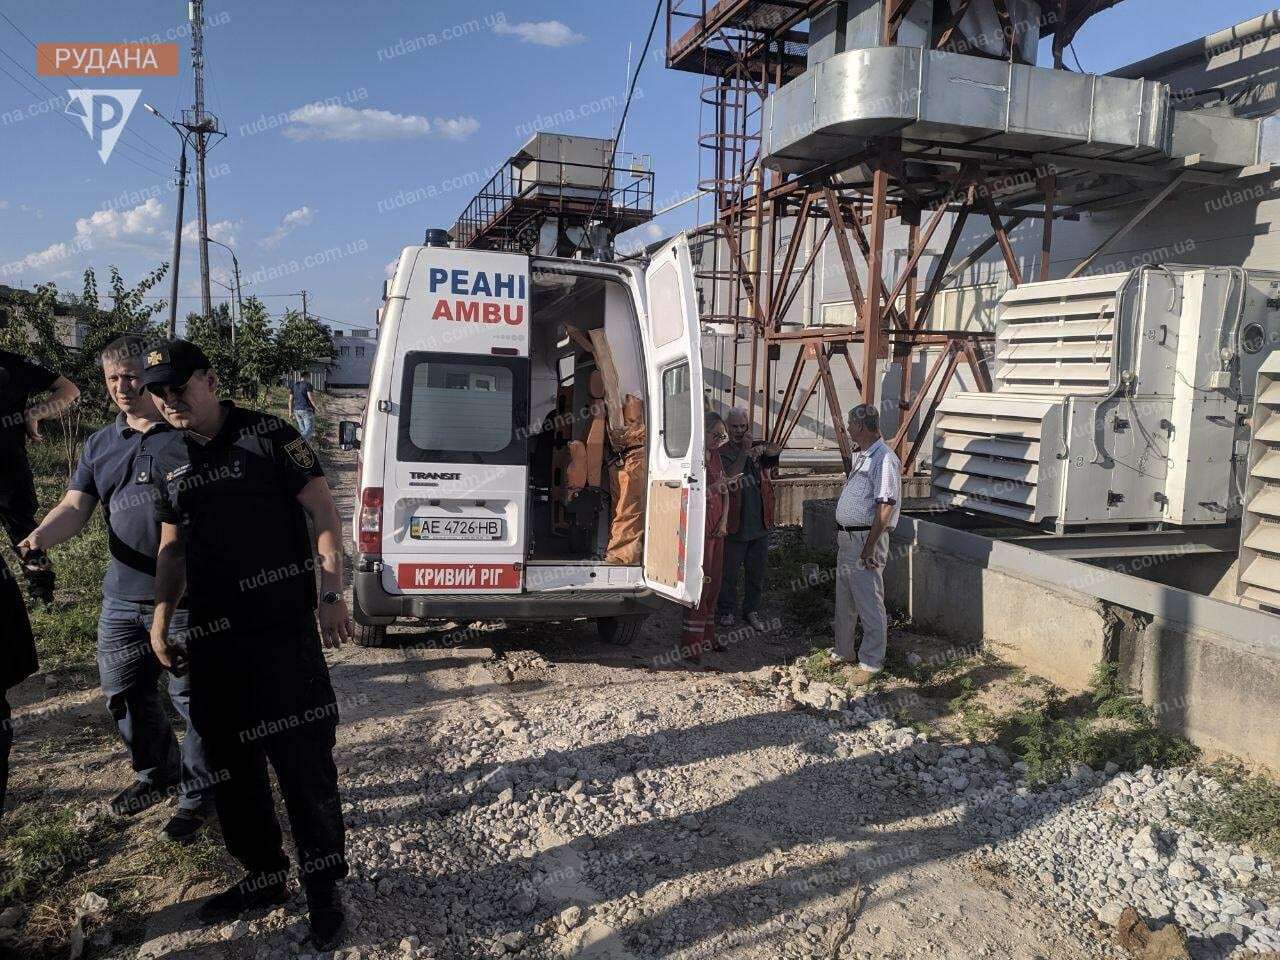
(545, 33)
(456, 128)
(4, 204)
(390, 268)
(138, 225)
(292, 220)
(38, 260)
(320, 121)
(224, 231)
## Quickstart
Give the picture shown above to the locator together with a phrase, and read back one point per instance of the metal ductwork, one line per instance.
(940, 99)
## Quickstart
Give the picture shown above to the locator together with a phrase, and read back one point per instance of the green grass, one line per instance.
(1109, 725)
(811, 605)
(975, 719)
(1248, 814)
(43, 847)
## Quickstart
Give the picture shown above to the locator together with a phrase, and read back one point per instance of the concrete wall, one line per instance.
(1210, 670)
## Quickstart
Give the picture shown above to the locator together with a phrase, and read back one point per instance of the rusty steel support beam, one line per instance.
(872, 316)
(1050, 186)
(798, 230)
(952, 26)
(916, 245)
(940, 268)
(833, 404)
(846, 251)
(978, 364)
(904, 425)
(798, 284)
(1132, 222)
(932, 410)
(813, 385)
(784, 405)
(1002, 238)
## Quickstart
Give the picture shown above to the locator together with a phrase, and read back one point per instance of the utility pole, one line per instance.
(304, 305)
(202, 126)
(177, 229)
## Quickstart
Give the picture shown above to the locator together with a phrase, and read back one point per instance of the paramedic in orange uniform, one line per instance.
(699, 631)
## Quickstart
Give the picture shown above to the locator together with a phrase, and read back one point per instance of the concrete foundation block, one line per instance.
(820, 524)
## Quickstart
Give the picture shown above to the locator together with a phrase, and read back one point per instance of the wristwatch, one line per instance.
(330, 596)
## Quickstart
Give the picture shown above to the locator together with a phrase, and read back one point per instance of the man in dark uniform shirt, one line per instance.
(235, 490)
(20, 380)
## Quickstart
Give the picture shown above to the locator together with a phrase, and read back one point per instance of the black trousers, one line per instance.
(6, 744)
(752, 558)
(302, 758)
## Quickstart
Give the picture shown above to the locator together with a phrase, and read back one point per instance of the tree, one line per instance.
(212, 334)
(302, 343)
(258, 362)
(129, 313)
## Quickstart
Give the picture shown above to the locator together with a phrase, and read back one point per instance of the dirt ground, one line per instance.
(769, 839)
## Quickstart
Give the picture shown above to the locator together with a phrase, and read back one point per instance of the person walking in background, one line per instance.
(20, 380)
(699, 629)
(867, 510)
(747, 465)
(114, 473)
(302, 404)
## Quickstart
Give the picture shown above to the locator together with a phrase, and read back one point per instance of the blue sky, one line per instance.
(409, 102)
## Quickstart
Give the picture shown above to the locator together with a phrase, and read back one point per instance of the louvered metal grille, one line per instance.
(1259, 566)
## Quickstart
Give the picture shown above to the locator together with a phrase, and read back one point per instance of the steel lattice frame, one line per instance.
(748, 48)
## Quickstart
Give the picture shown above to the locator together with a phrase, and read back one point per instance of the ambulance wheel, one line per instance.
(366, 634)
(619, 631)
(371, 635)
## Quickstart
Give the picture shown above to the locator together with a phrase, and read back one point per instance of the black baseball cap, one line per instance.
(171, 363)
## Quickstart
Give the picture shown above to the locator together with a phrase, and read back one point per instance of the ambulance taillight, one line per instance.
(370, 533)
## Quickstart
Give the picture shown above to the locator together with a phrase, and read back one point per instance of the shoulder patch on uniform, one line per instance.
(177, 472)
(300, 453)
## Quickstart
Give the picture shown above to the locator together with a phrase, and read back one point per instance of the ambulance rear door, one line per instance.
(677, 494)
(456, 472)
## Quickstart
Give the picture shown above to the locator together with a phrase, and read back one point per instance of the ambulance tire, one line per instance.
(620, 631)
(366, 634)
(371, 635)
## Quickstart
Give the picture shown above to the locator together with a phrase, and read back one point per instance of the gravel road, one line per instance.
(530, 792)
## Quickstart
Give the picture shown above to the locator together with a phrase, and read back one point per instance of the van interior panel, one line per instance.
(665, 504)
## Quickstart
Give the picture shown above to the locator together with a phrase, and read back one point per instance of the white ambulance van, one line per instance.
(488, 363)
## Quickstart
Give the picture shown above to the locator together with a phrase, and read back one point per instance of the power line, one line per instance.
(154, 149)
(626, 108)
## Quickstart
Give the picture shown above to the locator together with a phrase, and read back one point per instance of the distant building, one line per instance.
(72, 319)
(353, 352)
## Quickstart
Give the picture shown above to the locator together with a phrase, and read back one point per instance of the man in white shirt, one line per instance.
(867, 510)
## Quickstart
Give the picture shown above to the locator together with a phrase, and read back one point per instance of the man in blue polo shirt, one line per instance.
(113, 472)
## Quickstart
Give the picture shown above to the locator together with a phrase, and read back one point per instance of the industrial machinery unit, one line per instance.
(1120, 399)
(544, 199)
(1258, 578)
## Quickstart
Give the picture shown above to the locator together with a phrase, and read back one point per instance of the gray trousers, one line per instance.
(860, 596)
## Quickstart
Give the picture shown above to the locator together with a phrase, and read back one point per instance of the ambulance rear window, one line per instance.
(462, 408)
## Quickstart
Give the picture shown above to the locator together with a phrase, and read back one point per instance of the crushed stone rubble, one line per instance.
(659, 818)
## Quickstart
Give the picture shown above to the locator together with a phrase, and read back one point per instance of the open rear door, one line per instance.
(677, 502)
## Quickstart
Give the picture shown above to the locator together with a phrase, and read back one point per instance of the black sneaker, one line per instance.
(185, 824)
(251, 893)
(327, 919)
(137, 797)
